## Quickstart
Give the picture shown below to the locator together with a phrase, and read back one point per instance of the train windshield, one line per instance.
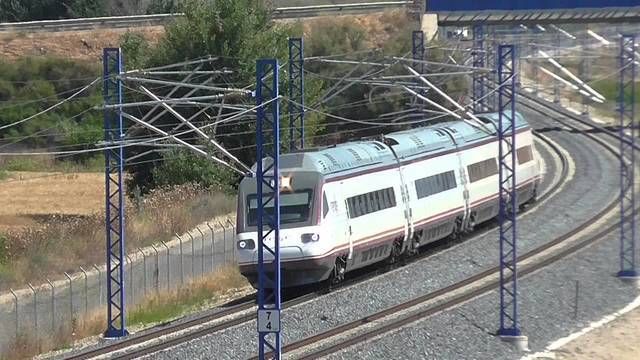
(295, 207)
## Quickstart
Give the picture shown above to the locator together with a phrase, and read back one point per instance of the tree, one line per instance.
(33, 10)
(237, 32)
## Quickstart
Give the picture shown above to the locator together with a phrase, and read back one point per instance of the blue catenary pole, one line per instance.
(296, 93)
(114, 163)
(418, 51)
(626, 99)
(491, 77)
(478, 86)
(507, 190)
(268, 196)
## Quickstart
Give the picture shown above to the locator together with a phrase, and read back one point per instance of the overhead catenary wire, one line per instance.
(197, 130)
(50, 107)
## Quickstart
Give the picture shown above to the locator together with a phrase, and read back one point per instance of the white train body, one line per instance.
(359, 203)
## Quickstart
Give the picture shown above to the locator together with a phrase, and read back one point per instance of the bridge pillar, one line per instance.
(429, 26)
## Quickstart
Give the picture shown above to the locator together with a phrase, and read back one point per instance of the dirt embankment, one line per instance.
(87, 45)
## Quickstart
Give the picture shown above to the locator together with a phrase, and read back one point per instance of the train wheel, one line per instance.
(396, 254)
(337, 275)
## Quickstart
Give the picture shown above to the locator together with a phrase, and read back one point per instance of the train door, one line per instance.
(467, 221)
(408, 214)
(342, 228)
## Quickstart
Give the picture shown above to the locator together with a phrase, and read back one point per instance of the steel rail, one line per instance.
(163, 19)
(367, 273)
(456, 300)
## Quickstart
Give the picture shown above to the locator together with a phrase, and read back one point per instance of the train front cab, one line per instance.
(304, 247)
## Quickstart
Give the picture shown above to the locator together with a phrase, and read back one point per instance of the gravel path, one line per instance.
(555, 217)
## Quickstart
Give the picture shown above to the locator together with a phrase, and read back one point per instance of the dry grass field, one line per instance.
(52, 222)
(30, 197)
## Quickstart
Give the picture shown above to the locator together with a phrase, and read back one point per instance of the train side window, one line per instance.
(392, 197)
(482, 169)
(435, 184)
(325, 205)
(371, 202)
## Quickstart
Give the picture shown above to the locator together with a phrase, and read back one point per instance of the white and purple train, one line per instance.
(355, 204)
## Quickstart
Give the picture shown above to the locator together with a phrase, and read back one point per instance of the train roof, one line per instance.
(354, 156)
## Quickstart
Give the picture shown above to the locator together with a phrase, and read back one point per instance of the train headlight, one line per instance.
(246, 244)
(285, 183)
(307, 238)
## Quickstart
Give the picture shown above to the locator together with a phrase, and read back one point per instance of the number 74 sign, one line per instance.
(268, 321)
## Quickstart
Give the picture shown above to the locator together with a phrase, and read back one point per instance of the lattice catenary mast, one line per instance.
(478, 86)
(268, 197)
(507, 191)
(626, 99)
(114, 161)
(296, 94)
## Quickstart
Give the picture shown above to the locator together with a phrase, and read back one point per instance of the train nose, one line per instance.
(286, 253)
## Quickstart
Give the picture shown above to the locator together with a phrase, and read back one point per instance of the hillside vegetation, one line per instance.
(174, 191)
(32, 10)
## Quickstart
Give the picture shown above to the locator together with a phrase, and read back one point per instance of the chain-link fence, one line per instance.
(41, 311)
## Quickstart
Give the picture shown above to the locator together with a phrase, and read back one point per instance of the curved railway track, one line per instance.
(371, 326)
(147, 342)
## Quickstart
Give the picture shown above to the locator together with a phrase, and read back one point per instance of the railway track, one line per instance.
(373, 325)
(149, 342)
(293, 12)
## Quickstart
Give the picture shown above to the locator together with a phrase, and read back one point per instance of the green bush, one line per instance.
(184, 167)
(4, 249)
(29, 85)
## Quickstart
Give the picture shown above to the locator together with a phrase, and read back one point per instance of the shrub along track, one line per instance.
(371, 326)
(148, 342)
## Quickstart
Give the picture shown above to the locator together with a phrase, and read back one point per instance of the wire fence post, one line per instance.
(16, 308)
(131, 276)
(181, 261)
(224, 241)
(86, 291)
(296, 94)
(233, 234)
(201, 252)
(626, 108)
(53, 306)
(99, 283)
(213, 246)
(35, 314)
(144, 272)
(70, 295)
(193, 254)
(268, 183)
(509, 327)
(168, 265)
(114, 160)
(156, 273)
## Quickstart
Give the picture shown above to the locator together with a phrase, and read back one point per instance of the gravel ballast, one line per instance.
(555, 217)
(546, 306)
